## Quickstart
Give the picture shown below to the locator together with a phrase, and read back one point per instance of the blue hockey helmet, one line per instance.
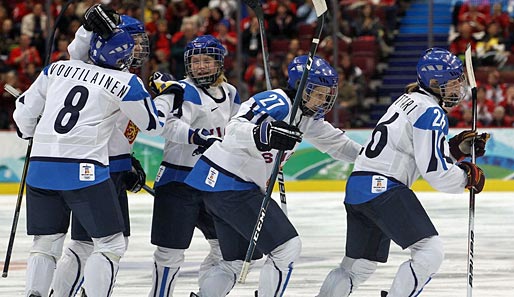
(441, 73)
(204, 72)
(320, 89)
(136, 29)
(115, 52)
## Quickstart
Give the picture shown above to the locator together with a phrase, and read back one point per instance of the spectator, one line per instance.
(61, 53)
(353, 74)
(23, 54)
(227, 6)
(306, 14)
(465, 36)
(34, 25)
(151, 26)
(495, 90)
(467, 120)
(251, 40)
(9, 38)
(283, 23)
(7, 101)
(347, 101)
(485, 107)
(508, 104)
(475, 18)
(28, 76)
(179, 41)
(227, 38)
(499, 119)
(491, 48)
(161, 40)
(501, 17)
(368, 24)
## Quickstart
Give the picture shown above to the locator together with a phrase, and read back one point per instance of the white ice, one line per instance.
(320, 221)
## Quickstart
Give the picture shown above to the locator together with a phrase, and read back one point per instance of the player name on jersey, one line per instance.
(110, 83)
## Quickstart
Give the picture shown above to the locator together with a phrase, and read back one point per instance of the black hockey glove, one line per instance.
(204, 139)
(101, 19)
(164, 83)
(460, 144)
(136, 178)
(276, 135)
(476, 177)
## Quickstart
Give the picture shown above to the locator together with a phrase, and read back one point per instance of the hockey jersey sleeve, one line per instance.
(331, 140)
(139, 107)
(79, 47)
(264, 106)
(432, 152)
(29, 106)
(178, 125)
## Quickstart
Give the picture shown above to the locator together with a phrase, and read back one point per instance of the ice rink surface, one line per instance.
(320, 221)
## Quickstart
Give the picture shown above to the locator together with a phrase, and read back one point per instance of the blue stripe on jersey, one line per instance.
(173, 173)
(45, 70)
(271, 103)
(137, 91)
(359, 187)
(120, 163)
(433, 118)
(225, 181)
(191, 94)
(237, 99)
(62, 175)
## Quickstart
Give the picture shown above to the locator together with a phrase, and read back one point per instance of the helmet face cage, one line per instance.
(318, 99)
(204, 60)
(441, 72)
(141, 50)
(142, 44)
(321, 88)
(115, 52)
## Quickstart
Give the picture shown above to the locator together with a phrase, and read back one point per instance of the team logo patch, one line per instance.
(131, 132)
(159, 173)
(87, 172)
(212, 177)
(378, 184)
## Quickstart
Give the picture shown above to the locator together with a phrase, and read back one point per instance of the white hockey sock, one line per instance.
(343, 280)
(40, 270)
(220, 279)
(278, 267)
(167, 264)
(69, 273)
(102, 266)
(412, 276)
(213, 258)
(45, 251)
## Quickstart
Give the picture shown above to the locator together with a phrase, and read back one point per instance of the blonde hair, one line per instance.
(221, 79)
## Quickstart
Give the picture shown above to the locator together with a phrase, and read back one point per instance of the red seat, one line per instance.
(279, 46)
(367, 63)
(365, 44)
(306, 30)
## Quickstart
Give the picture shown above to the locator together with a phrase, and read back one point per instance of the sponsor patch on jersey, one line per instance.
(131, 132)
(159, 173)
(212, 177)
(87, 172)
(378, 184)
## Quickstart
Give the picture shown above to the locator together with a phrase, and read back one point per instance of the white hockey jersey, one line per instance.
(125, 132)
(236, 163)
(409, 141)
(79, 104)
(200, 110)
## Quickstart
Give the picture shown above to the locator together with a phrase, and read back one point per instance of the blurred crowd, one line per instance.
(489, 27)
(357, 36)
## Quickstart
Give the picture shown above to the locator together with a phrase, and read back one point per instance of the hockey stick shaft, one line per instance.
(149, 190)
(256, 6)
(471, 225)
(15, 93)
(320, 7)
(27, 155)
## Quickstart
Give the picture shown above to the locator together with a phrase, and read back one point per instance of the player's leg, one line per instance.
(206, 225)
(98, 211)
(47, 219)
(278, 238)
(175, 214)
(366, 245)
(401, 216)
(69, 272)
(221, 278)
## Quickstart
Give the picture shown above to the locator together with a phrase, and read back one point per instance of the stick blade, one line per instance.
(469, 67)
(320, 6)
(12, 90)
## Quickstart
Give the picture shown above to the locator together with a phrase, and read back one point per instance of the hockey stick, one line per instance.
(471, 228)
(149, 190)
(15, 93)
(321, 7)
(256, 6)
(29, 149)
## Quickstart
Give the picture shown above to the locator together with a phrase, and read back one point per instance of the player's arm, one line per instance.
(432, 153)
(30, 106)
(261, 123)
(332, 141)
